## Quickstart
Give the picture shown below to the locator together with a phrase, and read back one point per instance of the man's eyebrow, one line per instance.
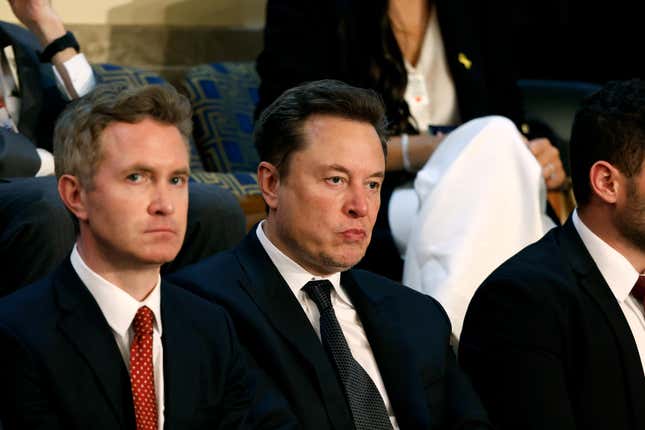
(340, 168)
(138, 167)
(182, 171)
(149, 169)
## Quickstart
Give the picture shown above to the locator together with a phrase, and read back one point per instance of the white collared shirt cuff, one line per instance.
(46, 163)
(80, 75)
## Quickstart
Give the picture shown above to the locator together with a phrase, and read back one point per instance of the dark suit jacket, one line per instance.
(41, 102)
(60, 367)
(408, 332)
(547, 345)
(306, 40)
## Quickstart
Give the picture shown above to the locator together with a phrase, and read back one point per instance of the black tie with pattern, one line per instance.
(365, 402)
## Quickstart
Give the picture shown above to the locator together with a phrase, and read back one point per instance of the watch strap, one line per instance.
(65, 41)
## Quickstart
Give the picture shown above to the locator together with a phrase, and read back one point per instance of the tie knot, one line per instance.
(142, 323)
(320, 293)
(639, 288)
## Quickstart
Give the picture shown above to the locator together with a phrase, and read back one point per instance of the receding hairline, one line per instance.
(305, 140)
(314, 117)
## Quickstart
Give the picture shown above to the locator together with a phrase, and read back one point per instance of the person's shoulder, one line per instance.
(205, 316)
(217, 266)
(190, 303)
(386, 285)
(542, 262)
(397, 293)
(23, 309)
(537, 280)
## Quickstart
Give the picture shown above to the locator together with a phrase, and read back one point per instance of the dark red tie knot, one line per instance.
(639, 288)
(143, 321)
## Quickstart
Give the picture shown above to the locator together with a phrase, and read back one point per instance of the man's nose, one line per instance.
(356, 205)
(161, 202)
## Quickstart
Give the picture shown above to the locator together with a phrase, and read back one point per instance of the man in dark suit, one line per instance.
(346, 348)
(35, 117)
(372, 45)
(103, 343)
(553, 339)
(36, 230)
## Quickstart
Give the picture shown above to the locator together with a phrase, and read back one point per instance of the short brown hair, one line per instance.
(278, 131)
(77, 149)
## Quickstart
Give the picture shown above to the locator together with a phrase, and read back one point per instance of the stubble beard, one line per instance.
(631, 222)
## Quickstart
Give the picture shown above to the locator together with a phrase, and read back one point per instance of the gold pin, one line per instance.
(465, 61)
(526, 129)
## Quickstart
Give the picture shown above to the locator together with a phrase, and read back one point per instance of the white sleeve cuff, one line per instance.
(46, 163)
(80, 75)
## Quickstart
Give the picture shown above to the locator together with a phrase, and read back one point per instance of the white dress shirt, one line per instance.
(621, 277)
(431, 93)
(296, 277)
(119, 309)
(80, 75)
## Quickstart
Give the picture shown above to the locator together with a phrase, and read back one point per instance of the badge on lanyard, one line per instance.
(417, 89)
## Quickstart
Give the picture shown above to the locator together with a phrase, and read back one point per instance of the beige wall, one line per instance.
(219, 13)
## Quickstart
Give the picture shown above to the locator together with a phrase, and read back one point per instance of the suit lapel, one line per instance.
(266, 287)
(595, 285)
(84, 326)
(273, 296)
(393, 354)
(181, 361)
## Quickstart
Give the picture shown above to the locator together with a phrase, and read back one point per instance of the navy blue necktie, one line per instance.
(365, 402)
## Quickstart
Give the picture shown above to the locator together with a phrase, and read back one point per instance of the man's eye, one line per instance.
(374, 185)
(178, 180)
(135, 177)
(335, 180)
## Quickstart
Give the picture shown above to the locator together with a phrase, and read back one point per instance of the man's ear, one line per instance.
(606, 181)
(72, 194)
(269, 183)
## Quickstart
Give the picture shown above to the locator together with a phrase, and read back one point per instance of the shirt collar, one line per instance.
(618, 272)
(117, 306)
(295, 275)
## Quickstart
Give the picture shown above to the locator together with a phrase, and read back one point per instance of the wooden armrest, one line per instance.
(562, 202)
(253, 207)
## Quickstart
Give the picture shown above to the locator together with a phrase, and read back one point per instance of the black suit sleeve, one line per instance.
(235, 402)
(512, 348)
(463, 408)
(463, 405)
(25, 403)
(18, 156)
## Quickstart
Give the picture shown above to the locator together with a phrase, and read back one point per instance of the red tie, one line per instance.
(639, 288)
(141, 371)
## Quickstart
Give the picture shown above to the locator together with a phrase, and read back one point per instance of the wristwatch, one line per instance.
(65, 41)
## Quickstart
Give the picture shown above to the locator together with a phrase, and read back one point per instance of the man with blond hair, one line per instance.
(103, 342)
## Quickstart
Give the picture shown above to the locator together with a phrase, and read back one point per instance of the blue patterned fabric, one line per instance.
(239, 183)
(126, 77)
(224, 96)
